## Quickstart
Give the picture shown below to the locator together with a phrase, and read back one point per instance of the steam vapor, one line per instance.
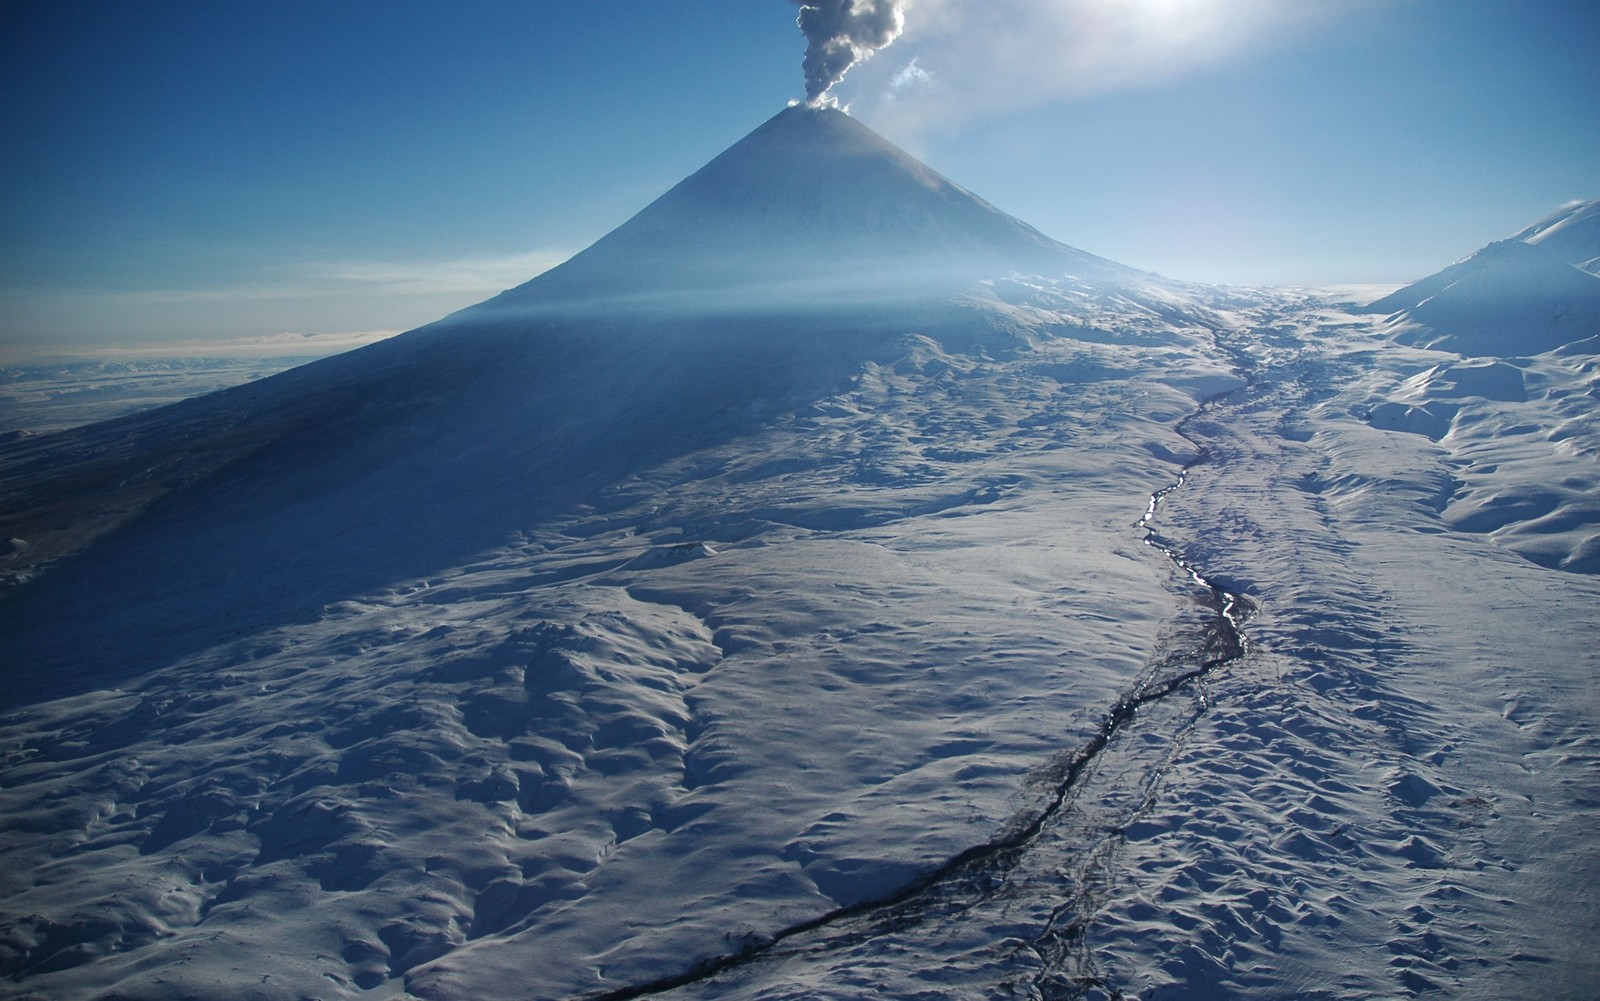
(841, 33)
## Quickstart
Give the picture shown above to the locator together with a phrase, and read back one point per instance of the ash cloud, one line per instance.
(841, 33)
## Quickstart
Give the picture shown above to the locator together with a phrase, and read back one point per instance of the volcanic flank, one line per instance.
(394, 658)
(767, 277)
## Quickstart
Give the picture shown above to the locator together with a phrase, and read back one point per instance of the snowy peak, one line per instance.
(811, 202)
(1512, 297)
(848, 192)
(1571, 233)
(1503, 270)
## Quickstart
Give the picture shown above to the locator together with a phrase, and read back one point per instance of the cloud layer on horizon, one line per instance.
(354, 298)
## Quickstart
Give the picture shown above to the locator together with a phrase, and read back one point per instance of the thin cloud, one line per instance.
(958, 60)
(910, 78)
(331, 279)
(326, 295)
(472, 274)
(282, 345)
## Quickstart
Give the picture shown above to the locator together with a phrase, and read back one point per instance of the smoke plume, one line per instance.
(841, 33)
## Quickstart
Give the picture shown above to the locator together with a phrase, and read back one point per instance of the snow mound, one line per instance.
(1430, 400)
(1433, 420)
(671, 556)
(1524, 441)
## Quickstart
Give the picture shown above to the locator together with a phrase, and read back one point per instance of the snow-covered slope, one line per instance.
(1063, 634)
(787, 651)
(810, 207)
(594, 677)
(1572, 233)
(804, 249)
(1510, 298)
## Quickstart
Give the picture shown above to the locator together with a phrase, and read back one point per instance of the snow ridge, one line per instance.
(1534, 291)
(1510, 298)
(1572, 233)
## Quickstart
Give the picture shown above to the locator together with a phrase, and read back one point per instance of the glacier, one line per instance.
(828, 586)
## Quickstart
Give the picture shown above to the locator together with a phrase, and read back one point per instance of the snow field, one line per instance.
(760, 636)
(820, 659)
(1386, 797)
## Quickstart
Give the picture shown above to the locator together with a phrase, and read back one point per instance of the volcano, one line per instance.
(768, 276)
(823, 586)
(812, 205)
(700, 398)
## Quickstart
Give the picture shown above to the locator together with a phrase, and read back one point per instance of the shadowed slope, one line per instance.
(265, 503)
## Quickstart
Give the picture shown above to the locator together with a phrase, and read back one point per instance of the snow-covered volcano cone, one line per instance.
(364, 675)
(764, 278)
(811, 204)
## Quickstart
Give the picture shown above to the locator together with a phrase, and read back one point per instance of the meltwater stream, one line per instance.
(1034, 939)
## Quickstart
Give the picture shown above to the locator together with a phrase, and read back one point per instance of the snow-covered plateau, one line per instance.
(955, 615)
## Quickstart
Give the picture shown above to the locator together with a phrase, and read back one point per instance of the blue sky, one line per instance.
(225, 171)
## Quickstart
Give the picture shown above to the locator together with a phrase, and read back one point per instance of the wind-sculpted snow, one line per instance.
(1521, 440)
(1387, 797)
(880, 637)
(890, 600)
(759, 673)
(1389, 772)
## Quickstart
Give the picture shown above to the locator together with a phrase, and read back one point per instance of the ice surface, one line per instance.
(759, 650)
